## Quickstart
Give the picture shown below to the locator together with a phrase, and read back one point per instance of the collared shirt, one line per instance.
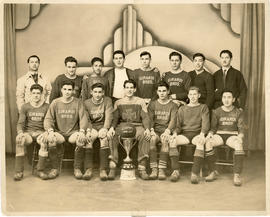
(24, 84)
(120, 77)
(226, 69)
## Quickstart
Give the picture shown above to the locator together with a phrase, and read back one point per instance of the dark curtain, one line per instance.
(253, 68)
(10, 77)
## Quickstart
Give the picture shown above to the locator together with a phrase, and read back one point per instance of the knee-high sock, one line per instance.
(142, 164)
(41, 163)
(53, 155)
(78, 157)
(88, 158)
(163, 157)
(19, 164)
(153, 158)
(104, 158)
(238, 163)
(211, 160)
(197, 163)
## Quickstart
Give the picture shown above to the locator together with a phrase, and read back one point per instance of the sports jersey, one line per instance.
(56, 87)
(133, 111)
(179, 84)
(66, 118)
(205, 82)
(227, 122)
(100, 114)
(193, 118)
(88, 83)
(146, 82)
(31, 118)
(162, 116)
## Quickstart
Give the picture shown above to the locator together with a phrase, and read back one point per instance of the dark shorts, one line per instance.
(190, 134)
(225, 136)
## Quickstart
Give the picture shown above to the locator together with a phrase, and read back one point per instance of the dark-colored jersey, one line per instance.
(88, 83)
(162, 116)
(193, 118)
(146, 83)
(179, 84)
(133, 111)
(56, 86)
(66, 118)
(100, 114)
(31, 118)
(227, 122)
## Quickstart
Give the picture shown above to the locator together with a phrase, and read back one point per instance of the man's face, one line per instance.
(71, 68)
(175, 62)
(97, 67)
(67, 91)
(129, 90)
(35, 95)
(145, 61)
(33, 64)
(198, 63)
(118, 60)
(227, 99)
(97, 93)
(162, 92)
(194, 96)
(225, 60)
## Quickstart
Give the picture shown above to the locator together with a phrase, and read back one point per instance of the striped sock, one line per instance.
(163, 158)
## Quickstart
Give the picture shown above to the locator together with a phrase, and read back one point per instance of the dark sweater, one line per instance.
(235, 82)
(205, 82)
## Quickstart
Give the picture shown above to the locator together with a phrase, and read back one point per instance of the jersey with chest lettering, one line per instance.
(227, 122)
(146, 82)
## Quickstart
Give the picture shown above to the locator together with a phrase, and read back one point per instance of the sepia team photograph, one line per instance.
(135, 108)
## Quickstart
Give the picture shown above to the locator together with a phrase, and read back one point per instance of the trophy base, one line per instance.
(127, 174)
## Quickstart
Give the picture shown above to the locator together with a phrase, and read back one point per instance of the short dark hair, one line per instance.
(199, 55)
(227, 52)
(96, 59)
(144, 53)
(36, 87)
(100, 85)
(119, 52)
(175, 54)
(70, 59)
(130, 81)
(68, 82)
(194, 88)
(163, 84)
(227, 90)
(33, 56)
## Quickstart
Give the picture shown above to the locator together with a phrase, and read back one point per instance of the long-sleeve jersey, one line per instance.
(227, 122)
(205, 82)
(88, 83)
(66, 118)
(31, 118)
(100, 114)
(193, 118)
(56, 86)
(162, 116)
(179, 84)
(133, 111)
(146, 83)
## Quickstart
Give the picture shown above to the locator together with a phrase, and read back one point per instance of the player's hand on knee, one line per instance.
(172, 141)
(153, 133)
(147, 135)
(102, 133)
(20, 139)
(201, 139)
(51, 137)
(111, 133)
(81, 139)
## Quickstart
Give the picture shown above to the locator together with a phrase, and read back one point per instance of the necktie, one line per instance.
(224, 77)
(35, 77)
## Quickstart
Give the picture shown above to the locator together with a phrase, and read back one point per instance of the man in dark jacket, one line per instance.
(229, 78)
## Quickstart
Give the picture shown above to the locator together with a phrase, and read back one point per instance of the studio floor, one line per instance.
(94, 197)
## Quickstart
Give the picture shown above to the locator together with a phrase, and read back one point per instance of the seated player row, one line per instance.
(146, 77)
(67, 119)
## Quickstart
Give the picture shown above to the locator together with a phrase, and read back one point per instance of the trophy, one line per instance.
(127, 141)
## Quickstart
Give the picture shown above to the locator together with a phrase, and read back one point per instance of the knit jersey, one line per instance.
(66, 118)
(179, 84)
(193, 118)
(31, 118)
(162, 116)
(100, 114)
(227, 122)
(132, 111)
(146, 82)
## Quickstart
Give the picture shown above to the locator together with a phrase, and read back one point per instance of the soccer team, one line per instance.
(169, 110)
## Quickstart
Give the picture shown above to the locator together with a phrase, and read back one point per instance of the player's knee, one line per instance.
(104, 143)
(28, 139)
(182, 140)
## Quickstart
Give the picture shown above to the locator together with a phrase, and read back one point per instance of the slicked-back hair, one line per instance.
(36, 87)
(119, 52)
(96, 85)
(130, 81)
(199, 55)
(70, 59)
(144, 53)
(33, 56)
(227, 90)
(96, 59)
(68, 82)
(163, 84)
(227, 52)
(175, 54)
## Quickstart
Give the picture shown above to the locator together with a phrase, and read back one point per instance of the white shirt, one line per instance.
(119, 79)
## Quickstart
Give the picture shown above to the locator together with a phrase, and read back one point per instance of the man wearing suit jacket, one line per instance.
(229, 78)
(117, 75)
